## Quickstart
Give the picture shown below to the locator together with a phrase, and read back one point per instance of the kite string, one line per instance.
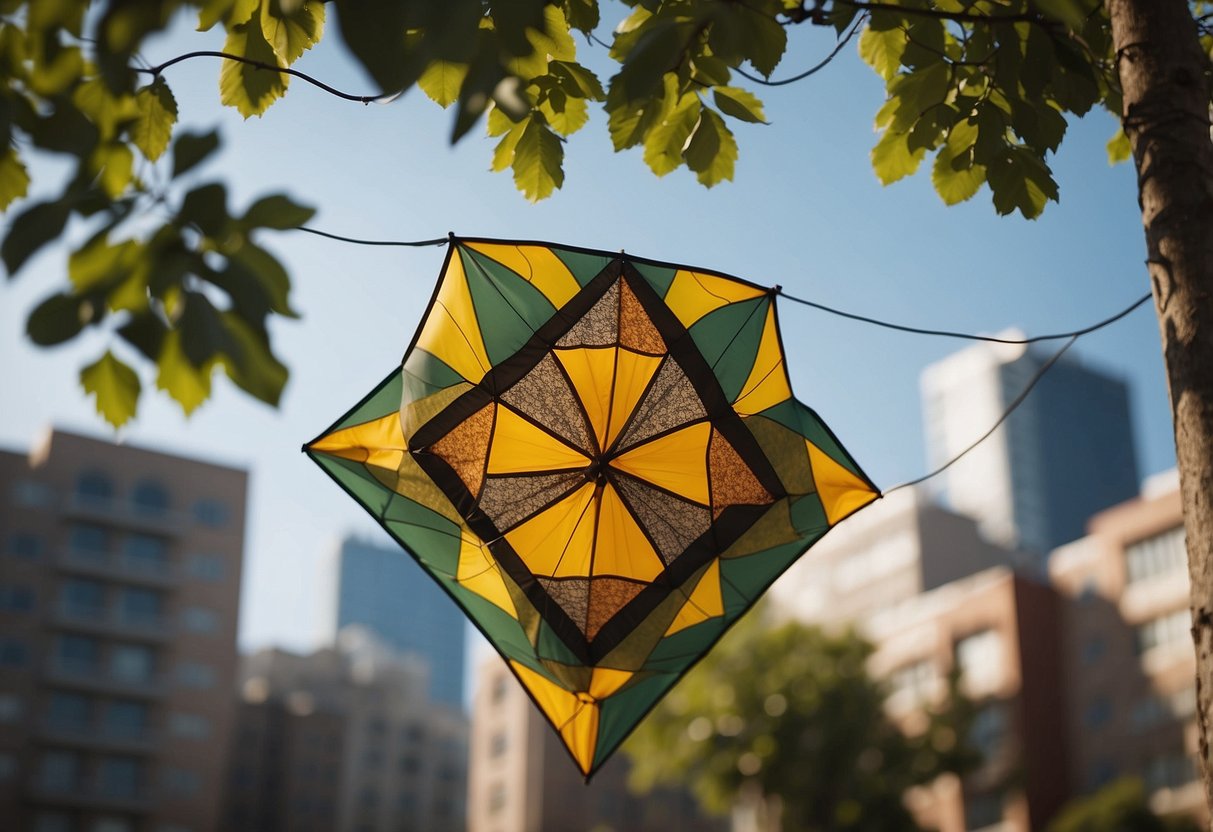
(1023, 394)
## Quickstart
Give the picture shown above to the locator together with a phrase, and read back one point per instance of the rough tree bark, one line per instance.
(1165, 79)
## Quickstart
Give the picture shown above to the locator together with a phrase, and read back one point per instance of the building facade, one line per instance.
(382, 588)
(522, 779)
(1131, 695)
(391, 759)
(119, 592)
(1064, 454)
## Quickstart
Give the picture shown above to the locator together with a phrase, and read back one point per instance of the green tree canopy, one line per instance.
(1120, 806)
(788, 716)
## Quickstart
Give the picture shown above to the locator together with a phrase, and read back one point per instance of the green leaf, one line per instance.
(762, 39)
(740, 104)
(537, 161)
(249, 362)
(1073, 13)
(190, 149)
(257, 284)
(881, 50)
(564, 114)
(915, 92)
(656, 52)
(14, 178)
(231, 12)
(955, 186)
(628, 121)
(115, 387)
(667, 138)
(892, 158)
(100, 265)
(503, 153)
(291, 32)
(442, 81)
(1020, 181)
(1119, 149)
(277, 211)
(32, 229)
(582, 14)
(157, 114)
(712, 150)
(113, 164)
(107, 111)
(58, 318)
(188, 385)
(206, 207)
(250, 89)
(574, 76)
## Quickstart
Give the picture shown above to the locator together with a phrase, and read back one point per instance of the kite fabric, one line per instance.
(599, 457)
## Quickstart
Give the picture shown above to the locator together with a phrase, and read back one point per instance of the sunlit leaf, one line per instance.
(881, 50)
(892, 158)
(14, 178)
(188, 385)
(1119, 149)
(740, 104)
(537, 161)
(250, 89)
(666, 141)
(291, 32)
(115, 387)
(231, 12)
(442, 80)
(157, 114)
(712, 150)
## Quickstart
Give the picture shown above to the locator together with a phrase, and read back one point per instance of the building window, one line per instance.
(119, 776)
(89, 542)
(132, 662)
(69, 710)
(199, 620)
(94, 488)
(205, 567)
(211, 513)
(126, 719)
(16, 598)
(498, 744)
(1172, 628)
(497, 694)
(8, 767)
(989, 729)
(917, 678)
(1169, 771)
(980, 657)
(31, 494)
(141, 607)
(52, 822)
(195, 675)
(145, 553)
(25, 545)
(78, 654)
(59, 771)
(191, 726)
(13, 653)
(1097, 713)
(150, 498)
(12, 707)
(1161, 554)
(83, 598)
(497, 798)
(181, 781)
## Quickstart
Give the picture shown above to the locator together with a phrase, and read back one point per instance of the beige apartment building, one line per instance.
(1130, 681)
(119, 587)
(523, 780)
(370, 752)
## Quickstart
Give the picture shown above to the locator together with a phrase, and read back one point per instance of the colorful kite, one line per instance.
(600, 459)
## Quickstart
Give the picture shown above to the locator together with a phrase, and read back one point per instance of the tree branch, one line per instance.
(961, 17)
(156, 70)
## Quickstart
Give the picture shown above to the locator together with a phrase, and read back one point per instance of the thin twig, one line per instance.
(155, 72)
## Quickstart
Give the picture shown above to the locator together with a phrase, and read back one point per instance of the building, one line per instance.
(372, 752)
(383, 588)
(1131, 695)
(887, 554)
(1064, 454)
(119, 589)
(999, 629)
(522, 779)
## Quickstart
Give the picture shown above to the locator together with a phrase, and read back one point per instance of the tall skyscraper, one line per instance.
(383, 589)
(119, 589)
(1064, 454)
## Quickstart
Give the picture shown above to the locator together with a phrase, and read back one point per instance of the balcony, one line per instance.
(127, 515)
(119, 567)
(125, 740)
(114, 623)
(92, 676)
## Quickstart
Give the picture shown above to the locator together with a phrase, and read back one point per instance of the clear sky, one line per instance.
(805, 212)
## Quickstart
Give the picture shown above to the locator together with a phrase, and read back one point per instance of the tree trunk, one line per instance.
(1164, 75)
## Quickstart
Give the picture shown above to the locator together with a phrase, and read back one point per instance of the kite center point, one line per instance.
(597, 471)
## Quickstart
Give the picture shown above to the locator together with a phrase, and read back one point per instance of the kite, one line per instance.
(600, 459)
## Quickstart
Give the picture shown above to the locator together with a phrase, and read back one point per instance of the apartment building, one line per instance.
(119, 589)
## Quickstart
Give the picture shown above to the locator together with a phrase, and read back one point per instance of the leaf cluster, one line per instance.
(791, 709)
(1120, 805)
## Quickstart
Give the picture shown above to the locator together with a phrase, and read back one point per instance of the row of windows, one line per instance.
(52, 821)
(1172, 628)
(143, 553)
(1162, 554)
(112, 776)
(978, 655)
(134, 663)
(96, 488)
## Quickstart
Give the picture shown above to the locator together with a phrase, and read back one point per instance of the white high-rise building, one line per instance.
(1064, 454)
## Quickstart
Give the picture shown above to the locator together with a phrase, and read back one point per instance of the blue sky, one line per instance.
(805, 212)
